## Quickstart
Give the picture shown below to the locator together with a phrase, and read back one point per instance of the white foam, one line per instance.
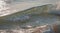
(58, 5)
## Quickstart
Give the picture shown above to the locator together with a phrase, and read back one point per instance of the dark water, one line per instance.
(34, 17)
(35, 20)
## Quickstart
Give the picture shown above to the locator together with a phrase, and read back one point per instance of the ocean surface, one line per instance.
(10, 7)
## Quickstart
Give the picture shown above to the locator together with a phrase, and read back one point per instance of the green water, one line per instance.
(35, 16)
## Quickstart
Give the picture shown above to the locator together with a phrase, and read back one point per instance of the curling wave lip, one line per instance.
(15, 7)
(27, 13)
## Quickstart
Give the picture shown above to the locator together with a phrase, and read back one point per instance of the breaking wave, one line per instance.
(35, 21)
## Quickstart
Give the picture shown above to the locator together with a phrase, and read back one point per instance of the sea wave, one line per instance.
(26, 19)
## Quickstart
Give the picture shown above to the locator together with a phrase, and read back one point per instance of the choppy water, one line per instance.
(35, 21)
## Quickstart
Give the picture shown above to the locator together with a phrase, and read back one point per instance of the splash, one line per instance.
(4, 9)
